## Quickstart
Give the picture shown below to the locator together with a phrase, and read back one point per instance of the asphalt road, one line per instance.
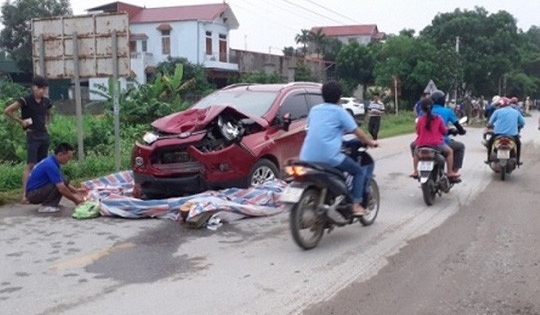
(467, 254)
(482, 260)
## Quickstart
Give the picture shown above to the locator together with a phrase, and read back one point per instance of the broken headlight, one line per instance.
(150, 137)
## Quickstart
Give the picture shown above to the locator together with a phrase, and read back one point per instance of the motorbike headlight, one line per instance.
(150, 137)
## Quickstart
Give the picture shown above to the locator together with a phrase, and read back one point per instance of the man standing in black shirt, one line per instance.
(35, 115)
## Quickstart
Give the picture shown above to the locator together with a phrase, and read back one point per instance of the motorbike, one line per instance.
(320, 197)
(431, 162)
(503, 155)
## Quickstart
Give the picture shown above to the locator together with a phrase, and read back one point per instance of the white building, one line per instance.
(199, 33)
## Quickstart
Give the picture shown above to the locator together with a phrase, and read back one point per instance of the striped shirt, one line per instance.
(375, 108)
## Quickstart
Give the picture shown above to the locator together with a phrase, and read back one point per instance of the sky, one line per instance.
(270, 25)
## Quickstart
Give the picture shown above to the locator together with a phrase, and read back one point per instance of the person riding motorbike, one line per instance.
(491, 107)
(430, 130)
(505, 121)
(327, 123)
(439, 98)
(515, 105)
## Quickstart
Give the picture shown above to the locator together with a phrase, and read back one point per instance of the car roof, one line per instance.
(271, 86)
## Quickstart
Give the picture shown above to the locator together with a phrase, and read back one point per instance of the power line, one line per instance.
(327, 9)
(263, 16)
(267, 6)
(311, 11)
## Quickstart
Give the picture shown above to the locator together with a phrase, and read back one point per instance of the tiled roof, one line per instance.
(348, 30)
(202, 12)
(205, 12)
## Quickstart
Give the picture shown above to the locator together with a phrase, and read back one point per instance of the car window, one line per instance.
(295, 105)
(314, 99)
(255, 103)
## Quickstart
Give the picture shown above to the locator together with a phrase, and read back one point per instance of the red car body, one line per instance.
(235, 137)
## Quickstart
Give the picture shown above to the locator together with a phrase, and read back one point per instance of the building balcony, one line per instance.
(220, 61)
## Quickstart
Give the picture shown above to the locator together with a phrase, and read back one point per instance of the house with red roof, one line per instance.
(199, 33)
(362, 34)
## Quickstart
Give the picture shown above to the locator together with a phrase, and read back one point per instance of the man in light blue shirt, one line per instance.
(506, 121)
(449, 117)
(327, 123)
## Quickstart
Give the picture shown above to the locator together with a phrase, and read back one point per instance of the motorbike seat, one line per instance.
(321, 167)
(429, 148)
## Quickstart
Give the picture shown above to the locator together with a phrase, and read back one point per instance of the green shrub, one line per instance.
(11, 175)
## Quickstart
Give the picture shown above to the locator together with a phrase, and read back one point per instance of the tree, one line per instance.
(303, 38)
(303, 73)
(15, 37)
(488, 45)
(331, 48)
(355, 65)
(289, 51)
(318, 39)
(191, 72)
(415, 61)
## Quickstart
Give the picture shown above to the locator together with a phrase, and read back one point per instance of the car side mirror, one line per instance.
(286, 121)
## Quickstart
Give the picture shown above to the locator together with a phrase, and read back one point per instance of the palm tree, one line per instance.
(304, 38)
(318, 38)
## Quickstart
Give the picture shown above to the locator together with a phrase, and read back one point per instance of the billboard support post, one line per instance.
(116, 106)
(78, 105)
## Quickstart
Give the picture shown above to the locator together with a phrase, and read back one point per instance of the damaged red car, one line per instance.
(238, 136)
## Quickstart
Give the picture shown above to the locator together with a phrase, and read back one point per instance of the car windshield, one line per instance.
(255, 103)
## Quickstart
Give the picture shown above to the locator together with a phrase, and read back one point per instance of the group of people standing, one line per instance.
(42, 179)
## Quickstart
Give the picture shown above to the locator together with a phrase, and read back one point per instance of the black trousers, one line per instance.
(373, 126)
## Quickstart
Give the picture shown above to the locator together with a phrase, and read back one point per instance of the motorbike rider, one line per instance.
(505, 121)
(491, 107)
(439, 98)
(326, 125)
(430, 130)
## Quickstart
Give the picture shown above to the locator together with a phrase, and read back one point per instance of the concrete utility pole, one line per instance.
(457, 51)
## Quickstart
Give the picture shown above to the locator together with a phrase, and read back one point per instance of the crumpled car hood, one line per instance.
(192, 120)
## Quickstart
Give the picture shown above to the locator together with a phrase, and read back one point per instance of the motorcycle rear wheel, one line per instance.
(307, 225)
(429, 192)
(372, 204)
(503, 172)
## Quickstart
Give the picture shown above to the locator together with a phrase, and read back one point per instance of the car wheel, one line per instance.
(350, 112)
(262, 171)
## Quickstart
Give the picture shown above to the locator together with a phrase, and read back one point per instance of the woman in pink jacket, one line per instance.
(430, 131)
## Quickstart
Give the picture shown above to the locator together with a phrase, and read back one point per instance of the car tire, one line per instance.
(350, 112)
(262, 171)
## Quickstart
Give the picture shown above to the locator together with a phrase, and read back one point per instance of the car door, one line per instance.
(288, 143)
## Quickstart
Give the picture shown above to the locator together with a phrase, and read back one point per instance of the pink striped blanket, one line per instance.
(113, 193)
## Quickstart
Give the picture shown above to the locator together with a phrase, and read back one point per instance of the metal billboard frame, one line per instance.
(83, 46)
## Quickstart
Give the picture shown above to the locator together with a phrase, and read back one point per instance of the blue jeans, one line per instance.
(359, 174)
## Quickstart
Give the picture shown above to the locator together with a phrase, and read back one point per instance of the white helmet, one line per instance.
(495, 100)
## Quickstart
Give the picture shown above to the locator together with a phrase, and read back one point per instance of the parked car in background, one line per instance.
(351, 104)
(238, 136)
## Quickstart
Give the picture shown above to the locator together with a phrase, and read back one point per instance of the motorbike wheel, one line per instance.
(503, 172)
(429, 192)
(372, 204)
(307, 225)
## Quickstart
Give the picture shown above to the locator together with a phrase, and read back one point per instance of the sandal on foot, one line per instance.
(360, 213)
(415, 176)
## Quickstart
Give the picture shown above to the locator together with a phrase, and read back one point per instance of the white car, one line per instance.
(352, 106)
